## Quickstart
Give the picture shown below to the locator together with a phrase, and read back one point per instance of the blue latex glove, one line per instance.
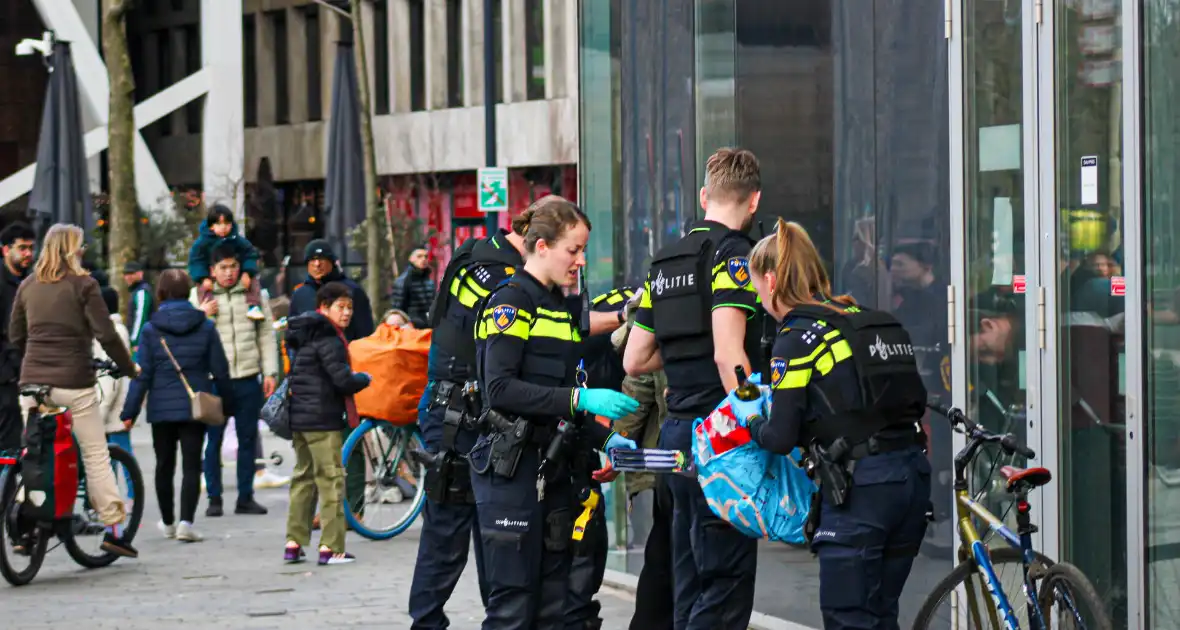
(618, 441)
(364, 377)
(606, 402)
(745, 410)
(756, 378)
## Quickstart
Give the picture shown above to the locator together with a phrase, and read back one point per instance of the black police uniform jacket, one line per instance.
(528, 347)
(466, 281)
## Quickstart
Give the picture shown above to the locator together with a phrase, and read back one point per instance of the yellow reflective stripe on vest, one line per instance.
(467, 290)
(561, 330)
(820, 349)
(795, 379)
(561, 316)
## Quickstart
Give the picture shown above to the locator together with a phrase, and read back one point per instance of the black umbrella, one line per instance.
(61, 186)
(344, 194)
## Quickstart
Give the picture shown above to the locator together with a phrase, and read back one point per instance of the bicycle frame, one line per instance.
(972, 542)
(974, 547)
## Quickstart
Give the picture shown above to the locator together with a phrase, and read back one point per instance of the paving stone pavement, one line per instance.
(236, 579)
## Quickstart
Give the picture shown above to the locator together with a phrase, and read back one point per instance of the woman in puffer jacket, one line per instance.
(179, 328)
(321, 385)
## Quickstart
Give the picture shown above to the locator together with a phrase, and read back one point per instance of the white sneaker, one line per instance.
(169, 531)
(186, 533)
(268, 479)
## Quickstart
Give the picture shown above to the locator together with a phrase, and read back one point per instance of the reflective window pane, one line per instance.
(1161, 222)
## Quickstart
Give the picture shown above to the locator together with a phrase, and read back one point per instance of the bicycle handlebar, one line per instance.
(1007, 441)
(106, 367)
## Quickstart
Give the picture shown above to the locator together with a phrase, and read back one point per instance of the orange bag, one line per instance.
(396, 359)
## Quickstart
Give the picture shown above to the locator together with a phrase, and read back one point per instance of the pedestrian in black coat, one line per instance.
(321, 385)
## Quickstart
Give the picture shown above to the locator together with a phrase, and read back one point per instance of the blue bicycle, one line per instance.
(392, 493)
(1056, 594)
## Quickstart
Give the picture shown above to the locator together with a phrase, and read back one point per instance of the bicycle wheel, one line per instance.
(17, 532)
(393, 493)
(1069, 600)
(972, 605)
(83, 534)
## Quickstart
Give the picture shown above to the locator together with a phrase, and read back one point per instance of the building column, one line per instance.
(398, 14)
(223, 144)
(556, 47)
(370, 34)
(265, 64)
(177, 51)
(436, 54)
(471, 25)
(89, 12)
(297, 64)
(329, 41)
(151, 73)
(514, 51)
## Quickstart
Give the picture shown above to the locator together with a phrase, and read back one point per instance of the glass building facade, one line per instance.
(1002, 175)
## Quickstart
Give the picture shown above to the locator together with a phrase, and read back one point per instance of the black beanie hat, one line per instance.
(319, 248)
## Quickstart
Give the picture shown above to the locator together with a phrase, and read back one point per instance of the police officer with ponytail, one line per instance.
(699, 319)
(528, 347)
(447, 414)
(846, 388)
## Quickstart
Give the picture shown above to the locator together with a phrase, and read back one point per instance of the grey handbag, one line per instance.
(206, 407)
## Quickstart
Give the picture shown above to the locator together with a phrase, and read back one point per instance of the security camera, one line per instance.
(29, 46)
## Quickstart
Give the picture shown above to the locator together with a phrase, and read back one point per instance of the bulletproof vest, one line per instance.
(682, 298)
(450, 337)
(551, 350)
(891, 387)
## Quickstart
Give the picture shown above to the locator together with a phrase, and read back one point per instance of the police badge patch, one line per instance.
(778, 370)
(739, 270)
(503, 316)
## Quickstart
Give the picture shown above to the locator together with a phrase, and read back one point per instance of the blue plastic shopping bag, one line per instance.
(763, 495)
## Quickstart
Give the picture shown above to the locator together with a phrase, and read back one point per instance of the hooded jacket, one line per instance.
(194, 342)
(250, 346)
(114, 390)
(207, 241)
(321, 378)
(303, 301)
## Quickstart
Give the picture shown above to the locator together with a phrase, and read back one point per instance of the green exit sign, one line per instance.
(493, 189)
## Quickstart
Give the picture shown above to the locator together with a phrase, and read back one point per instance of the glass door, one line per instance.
(1000, 218)
(1084, 368)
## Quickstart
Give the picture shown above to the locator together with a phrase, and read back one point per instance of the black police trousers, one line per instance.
(653, 593)
(587, 570)
(526, 542)
(713, 563)
(446, 530)
(866, 547)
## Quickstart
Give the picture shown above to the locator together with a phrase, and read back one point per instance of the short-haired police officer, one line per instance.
(699, 318)
(845, 386)
(528, 346)
(447, 415)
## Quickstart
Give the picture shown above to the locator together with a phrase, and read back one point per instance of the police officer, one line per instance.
(447, 414)
(603, 369)
(845, 387)
(528, 346)
(699, 318)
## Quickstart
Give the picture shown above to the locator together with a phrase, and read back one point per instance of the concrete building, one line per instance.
(263, 99)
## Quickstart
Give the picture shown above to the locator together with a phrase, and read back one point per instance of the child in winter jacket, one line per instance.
(217, 230)
(321, 385)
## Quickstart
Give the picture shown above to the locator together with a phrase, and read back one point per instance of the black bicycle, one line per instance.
(24, 541)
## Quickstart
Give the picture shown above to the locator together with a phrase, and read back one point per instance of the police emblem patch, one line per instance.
(503, 316)
(778, 369)
(739, 270)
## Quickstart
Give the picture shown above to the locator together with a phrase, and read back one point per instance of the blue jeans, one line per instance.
(122, 439)
(248, 400)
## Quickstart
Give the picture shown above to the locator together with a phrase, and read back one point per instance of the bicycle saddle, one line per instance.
(36, 392)
(1029, 477)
